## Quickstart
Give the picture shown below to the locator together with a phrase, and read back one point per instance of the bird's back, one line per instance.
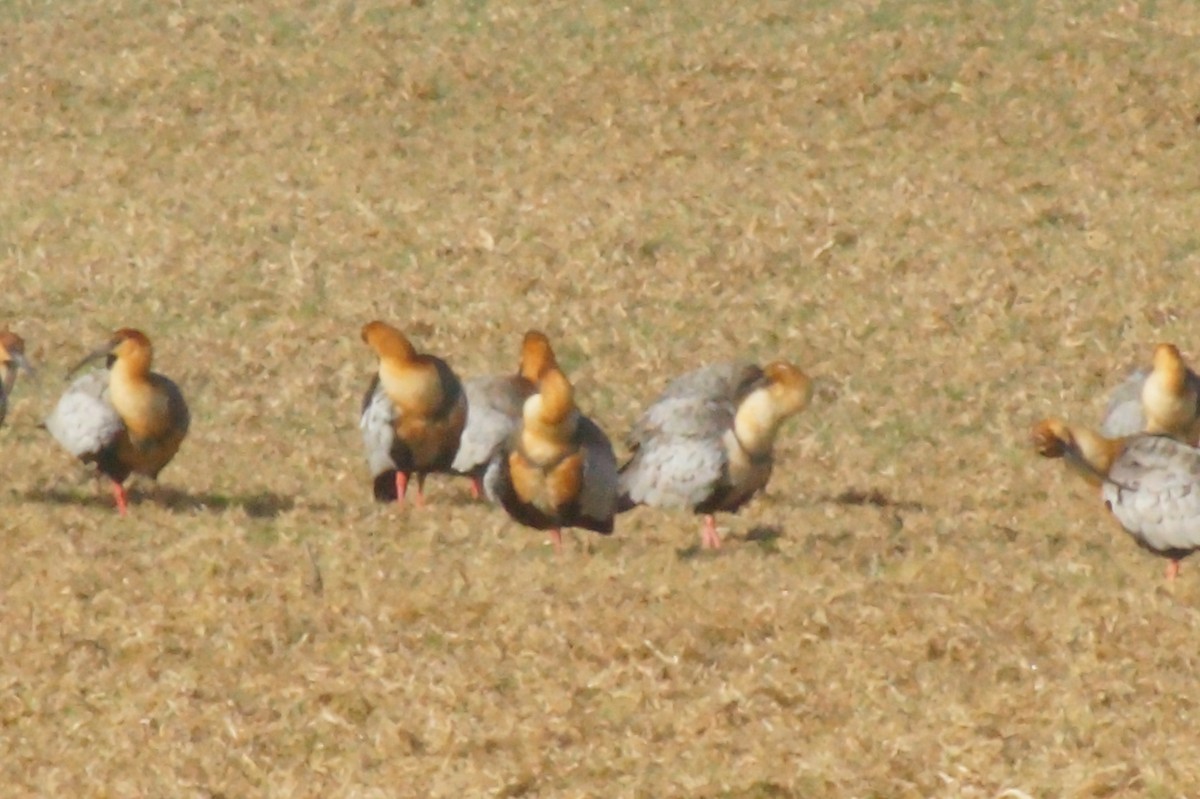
(718, 380)
(1153, 489)
(84, 421)
(1123, 416)
(493, 413)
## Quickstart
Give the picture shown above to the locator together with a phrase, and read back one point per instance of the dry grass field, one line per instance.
(958, 216)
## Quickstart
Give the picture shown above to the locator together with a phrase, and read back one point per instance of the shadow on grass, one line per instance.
(765, 536)
(872, 496)
(263, 505)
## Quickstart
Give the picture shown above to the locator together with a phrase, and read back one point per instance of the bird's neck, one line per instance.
(548, 427)
(1096, 454)
(411, 385)
(756, 423)
(134, 397)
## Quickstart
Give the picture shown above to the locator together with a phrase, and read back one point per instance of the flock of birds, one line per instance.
(705, 445)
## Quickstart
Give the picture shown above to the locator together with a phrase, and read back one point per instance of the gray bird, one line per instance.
(1150, 483)
(706, 444)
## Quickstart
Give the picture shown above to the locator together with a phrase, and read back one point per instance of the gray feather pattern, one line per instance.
(84, 421)
(493, 413)
(681, 443)
(717, 380)
(1123, 416)
(1153, 490)
(378, 432)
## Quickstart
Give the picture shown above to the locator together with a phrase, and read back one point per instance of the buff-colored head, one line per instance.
(1169, 362)
(781, 392)
(1052, 438)
(12, 351)
(1088, 453)
(12, 357)
(129, 347)
(537, 356)
(790, 388)
(388, 342)
(129, 343)
(556, 396)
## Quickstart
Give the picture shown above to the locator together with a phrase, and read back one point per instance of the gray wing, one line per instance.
(718, 381)
(1123, 416)
(1153, 489)
(683, 417)
(378, 432)
(84, 421)
(699, 403)
(674, 471)
(680, 457)
(598, 498)
(493, 412)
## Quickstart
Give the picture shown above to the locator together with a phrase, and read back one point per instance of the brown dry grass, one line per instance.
(960, 216)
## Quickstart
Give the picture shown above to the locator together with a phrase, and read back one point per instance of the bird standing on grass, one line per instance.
(1150, 483)
(1165, 400)
(413, 415)
(706, 444)
(557, 469)
(12, 356)
(494, 407)
(126, 420)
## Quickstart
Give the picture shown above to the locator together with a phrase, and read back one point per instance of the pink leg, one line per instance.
(401, 487)
(120, 497)
(1172, 570)
(709, 539)
(420, 502)
(556, 537)
(476, 488)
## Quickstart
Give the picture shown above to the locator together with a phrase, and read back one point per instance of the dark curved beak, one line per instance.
(22, 363)
(95, 355)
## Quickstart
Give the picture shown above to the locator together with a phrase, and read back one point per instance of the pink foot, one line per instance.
(1172, 570)
(476, 488)
(401, 487)
(709, 539)
(556, 537)
(121, 498)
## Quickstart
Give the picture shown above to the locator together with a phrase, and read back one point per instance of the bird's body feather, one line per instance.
(1153, 490)
(574, 485)
(493, 413)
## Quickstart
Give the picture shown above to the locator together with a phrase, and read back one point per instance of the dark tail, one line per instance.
(385, 486)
